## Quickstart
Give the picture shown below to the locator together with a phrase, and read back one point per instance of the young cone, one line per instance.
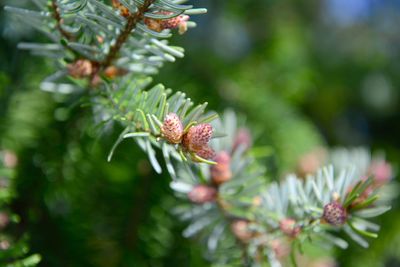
(334, 214)
(172, 128)
(221, 172)
(197, 137)
(80, 68)
(202, 194)
(240, 228)
(179, 22)
(289, 228)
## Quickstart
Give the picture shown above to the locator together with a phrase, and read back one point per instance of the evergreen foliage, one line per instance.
(243, 213)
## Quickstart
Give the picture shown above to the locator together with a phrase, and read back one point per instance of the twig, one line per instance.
(58, 18)
(131, 23)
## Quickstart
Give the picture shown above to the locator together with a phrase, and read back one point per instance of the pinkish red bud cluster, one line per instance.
(196, 140)
(158, 25)
(198, 136)
(288, 227)
(221, 172)
(172, 129)
(335, 214)
(201, 194)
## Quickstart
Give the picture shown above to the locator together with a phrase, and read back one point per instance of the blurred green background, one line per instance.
(303, 73)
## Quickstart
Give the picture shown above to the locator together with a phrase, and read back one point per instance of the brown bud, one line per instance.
(80, 68)
(172, 128)
(289, 228)
(122, 9)
(111, 72)
(202, 194)
(334, 214)
(197, 137)
(153, 24)
(158, 25)
(240, 228)
(221, 172)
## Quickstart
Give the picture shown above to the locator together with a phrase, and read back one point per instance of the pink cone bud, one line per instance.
(243, 137)
(310, 162)
(381, 171)
(202, 194)
(158, 25)
(175, 22)
(334, 214)
(172, 128)
(288, 227)
(221, 172)
(197, 137)
(80, 68)
(240, 228)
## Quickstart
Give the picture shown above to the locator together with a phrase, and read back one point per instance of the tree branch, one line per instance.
(132, 21)
(58, 18)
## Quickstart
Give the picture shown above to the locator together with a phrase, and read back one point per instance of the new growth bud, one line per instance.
(122, 9)
(240, 228)
(221, 172)
(196, 140)
(335, 214)
(197, 137)
(202, 194)
(289, 228)
(157, 25)
(172, 128)
(80, 68)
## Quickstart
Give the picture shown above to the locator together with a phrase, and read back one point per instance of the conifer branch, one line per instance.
(131, 23)
(231, 191)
